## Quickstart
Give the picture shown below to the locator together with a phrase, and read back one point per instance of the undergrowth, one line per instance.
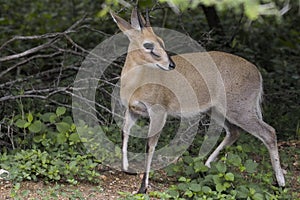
(48, 148)
(243, 172)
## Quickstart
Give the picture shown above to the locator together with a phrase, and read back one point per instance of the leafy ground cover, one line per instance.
(56, 166)
(117, 185)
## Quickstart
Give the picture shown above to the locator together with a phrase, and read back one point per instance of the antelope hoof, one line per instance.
(142, 190)
(129, 171)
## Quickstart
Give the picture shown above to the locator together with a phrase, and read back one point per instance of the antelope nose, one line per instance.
(172, 65)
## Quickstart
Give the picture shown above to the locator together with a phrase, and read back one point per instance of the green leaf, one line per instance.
(63, 127)
(173, 193)
(258, 196)
(229, 176)
(227, 185)
(29, 117)
(206, 189)
(220, 187)
(68, 119)
(25, 193)
(74, 138)
(182, 179)
(20, 123)
(27, 124)
(188, 193)
(103, 12)
(61, 138)
(252, 9)
(242, 192)
(73, 127)
(251, 166)
(35, 127)
(47, 117)
(189, 170)
(17, 186)
(60, 111)
(221, 167)
(188, 159)
(53, 118)
(195, 187)
(200, 167)
(182, 186)
(38, 138)
(73, 165)
(217, 179)
(234, 159)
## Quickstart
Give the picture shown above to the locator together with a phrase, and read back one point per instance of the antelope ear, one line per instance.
(137, 20)
(122, 24)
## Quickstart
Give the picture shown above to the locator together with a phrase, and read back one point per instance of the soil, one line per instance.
(112, 182)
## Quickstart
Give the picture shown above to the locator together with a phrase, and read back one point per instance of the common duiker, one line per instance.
(148, 59)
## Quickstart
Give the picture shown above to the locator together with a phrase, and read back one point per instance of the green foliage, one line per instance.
(252, 9)
(51, 150)
(235, 176)
(229, 178)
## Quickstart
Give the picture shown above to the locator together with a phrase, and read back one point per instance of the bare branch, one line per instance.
(76, 23)
(94, 30)
(55, 36)
(38, 75)
(27, 52)
(36, 37)
(53, 53)
(27, 60)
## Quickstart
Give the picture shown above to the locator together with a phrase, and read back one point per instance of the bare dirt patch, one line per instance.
(112, 182)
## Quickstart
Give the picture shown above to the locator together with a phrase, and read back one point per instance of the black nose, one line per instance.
(172, 65)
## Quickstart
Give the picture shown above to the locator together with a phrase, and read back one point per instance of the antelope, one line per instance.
(147, 59)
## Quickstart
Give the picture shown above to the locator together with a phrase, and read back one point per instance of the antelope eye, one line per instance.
(149, 46)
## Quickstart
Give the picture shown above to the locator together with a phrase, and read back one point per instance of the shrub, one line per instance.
(48, 148)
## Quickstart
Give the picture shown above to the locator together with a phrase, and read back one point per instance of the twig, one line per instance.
(55, 36)
(36, 37)
(27, 52)
(76, 23)
(94, 30)
(69, 51)
(6, 84)
(27, 60)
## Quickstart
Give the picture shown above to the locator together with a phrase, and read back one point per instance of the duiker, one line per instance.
(148, 59)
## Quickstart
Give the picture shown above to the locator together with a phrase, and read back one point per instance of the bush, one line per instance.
(235, 176)
(49, 148)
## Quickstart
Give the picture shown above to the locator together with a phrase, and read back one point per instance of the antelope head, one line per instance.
(145, 47)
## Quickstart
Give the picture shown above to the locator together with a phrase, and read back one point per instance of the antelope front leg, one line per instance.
(130, 120)
(158, 117)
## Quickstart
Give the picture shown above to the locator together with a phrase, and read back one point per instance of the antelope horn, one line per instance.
(141, 22)
(147, 24)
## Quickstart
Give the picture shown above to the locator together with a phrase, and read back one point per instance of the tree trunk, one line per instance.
(213, 19)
